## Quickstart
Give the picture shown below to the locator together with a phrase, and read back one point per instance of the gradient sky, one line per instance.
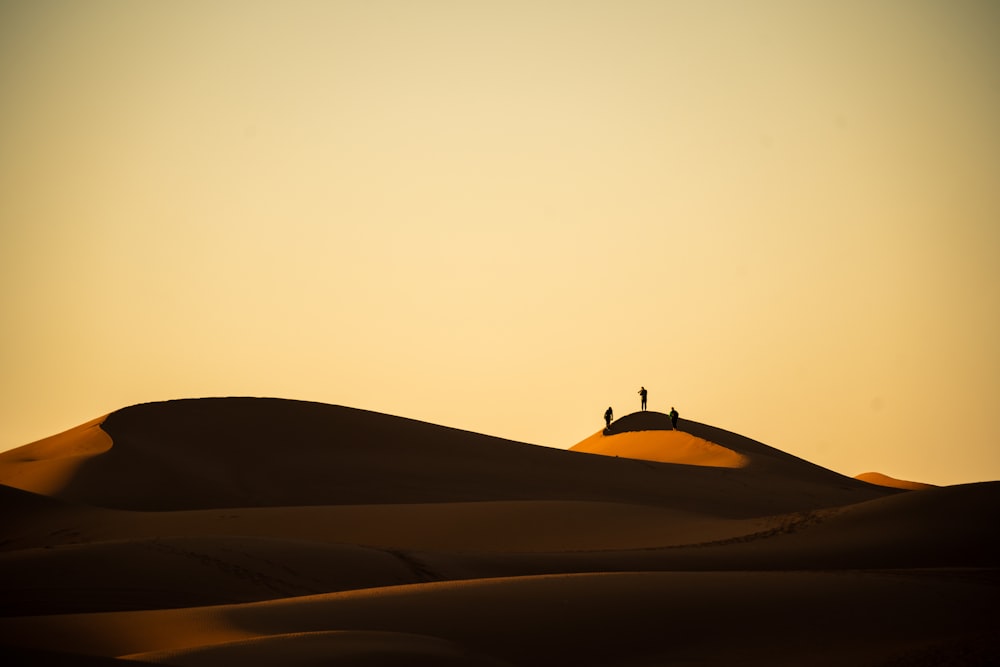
(781, 217)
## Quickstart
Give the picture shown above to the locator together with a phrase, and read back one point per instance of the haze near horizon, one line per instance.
(504, 217)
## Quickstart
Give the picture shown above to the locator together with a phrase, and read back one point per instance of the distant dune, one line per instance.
(271, 532)
(891, 482)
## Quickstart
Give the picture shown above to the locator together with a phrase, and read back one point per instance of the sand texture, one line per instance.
(273, 532)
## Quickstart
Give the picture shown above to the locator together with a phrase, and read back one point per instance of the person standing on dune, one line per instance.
(673, 417)
(608, 416)
(642, 395)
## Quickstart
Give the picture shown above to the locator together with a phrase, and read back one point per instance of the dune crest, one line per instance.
(879, 479)
(215, 453)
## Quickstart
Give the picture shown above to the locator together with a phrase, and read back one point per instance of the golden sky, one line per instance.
(782, 217)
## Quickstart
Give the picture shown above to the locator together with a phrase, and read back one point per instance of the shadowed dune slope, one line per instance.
(685, 618)
(29, 519)
(250, 452)
(168, 572)
(128, 560)
(949, 527)
(944, 528)
(344, 648)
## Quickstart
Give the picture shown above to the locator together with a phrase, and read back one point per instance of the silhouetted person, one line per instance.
(608, 416)
(642, 395)
(673, 417)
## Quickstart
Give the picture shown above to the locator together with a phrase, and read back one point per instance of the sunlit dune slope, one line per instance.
(663, 446)
(892, 482)
(247, 452)
(48, 465)
(649, 435)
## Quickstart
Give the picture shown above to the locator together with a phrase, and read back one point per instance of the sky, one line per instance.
(781, 217)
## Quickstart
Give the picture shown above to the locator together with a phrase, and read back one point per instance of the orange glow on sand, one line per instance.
(662, 446)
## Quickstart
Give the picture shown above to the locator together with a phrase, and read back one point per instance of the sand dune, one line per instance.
(858, 618)
(335, 647)
(187, 571)
(244, 452)
(269, 532)
(51, 464)
(892, 482)
(663, 446)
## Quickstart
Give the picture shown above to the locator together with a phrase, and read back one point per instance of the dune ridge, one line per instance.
(272, 532)
(891, 482)
(247, 452)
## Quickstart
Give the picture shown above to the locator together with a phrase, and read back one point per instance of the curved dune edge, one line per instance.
(879, 479)
(201, 454)
(46, 466)
(664, 447)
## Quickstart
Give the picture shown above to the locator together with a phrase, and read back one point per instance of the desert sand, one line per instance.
(644, 436)
(273, 532)
(892, 482)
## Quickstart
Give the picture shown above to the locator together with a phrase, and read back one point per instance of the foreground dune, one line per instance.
(588, 619)
(268, 532)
